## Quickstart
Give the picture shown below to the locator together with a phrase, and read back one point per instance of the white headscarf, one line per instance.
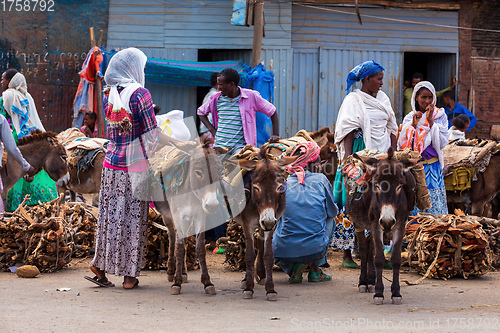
(125, 69)
(20, 106)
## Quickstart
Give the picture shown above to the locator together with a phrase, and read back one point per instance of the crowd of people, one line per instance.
(366, 119)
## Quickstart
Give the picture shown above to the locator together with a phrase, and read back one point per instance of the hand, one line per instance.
(430, 113)
(274, 139)
(454, 83)
(31, 172)
(416, 118)
(88, 132)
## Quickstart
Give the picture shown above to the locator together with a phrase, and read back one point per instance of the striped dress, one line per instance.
(230, 130)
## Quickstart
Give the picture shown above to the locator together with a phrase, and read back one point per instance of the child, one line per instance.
(459, 125)
(89, 128)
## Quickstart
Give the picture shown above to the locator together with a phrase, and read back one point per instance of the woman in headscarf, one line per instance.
(120, 245)
(17, 105)
(425, 129)
(304, 232)
(365, 120)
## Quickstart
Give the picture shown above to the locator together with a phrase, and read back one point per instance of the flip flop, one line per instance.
(104, 282)
(318, 276)
(136, 284)
(349, 264)
(297, 269)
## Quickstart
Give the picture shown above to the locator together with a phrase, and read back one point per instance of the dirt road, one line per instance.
(34, 305)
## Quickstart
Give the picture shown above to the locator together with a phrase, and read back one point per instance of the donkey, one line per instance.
(382, 206)
(265, 205)
(329, 158)
(184, 214)
(83, 181)
(42, 151)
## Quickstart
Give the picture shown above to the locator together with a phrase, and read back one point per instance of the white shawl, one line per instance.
(20, 106)
(373, 115)
(437, 135)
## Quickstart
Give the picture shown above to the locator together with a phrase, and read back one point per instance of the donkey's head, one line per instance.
(390, 196)
(43, 151)
(204, 173)
(267, 192)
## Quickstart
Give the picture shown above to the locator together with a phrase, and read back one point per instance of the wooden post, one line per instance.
(98, 98)
(258, 32)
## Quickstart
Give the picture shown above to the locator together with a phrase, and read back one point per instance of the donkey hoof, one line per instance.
(243, 284)
(176, 290)
(371, 288)
(397, 300)
(184, 278)
(170, 277)
(247, 294)
(262, 282)
(210, 290)
(272, 297)
(378, 300)
(362, 288)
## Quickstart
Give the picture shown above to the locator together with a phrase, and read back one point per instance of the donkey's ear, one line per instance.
(371, 163)
(410, 163)
(221, 150)
(52, 141)
(247, 164)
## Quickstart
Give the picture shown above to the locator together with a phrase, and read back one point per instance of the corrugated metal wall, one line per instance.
(327, 45)
(176, 30)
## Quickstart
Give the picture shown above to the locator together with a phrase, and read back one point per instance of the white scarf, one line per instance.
(20, 106)
(353, 115)
(126, 69)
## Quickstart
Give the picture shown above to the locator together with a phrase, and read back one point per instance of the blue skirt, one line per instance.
(437, 193)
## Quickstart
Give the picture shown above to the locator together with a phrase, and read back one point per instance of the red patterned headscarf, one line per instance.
(309, 152)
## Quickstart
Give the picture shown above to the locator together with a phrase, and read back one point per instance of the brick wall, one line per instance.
(479, 87)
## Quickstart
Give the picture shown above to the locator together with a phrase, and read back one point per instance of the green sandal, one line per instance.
(318, 277)
(297, 270)
(349, 264)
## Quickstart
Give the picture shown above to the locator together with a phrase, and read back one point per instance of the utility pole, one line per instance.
(258, 31)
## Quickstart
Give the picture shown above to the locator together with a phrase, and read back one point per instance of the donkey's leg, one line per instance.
(260, 266)
(378, 243)
(272, 295)
(397, 240)
(363, 252)
(371, 264)
(171, 249)
(249, 260)
(201, 252)
(180, 254)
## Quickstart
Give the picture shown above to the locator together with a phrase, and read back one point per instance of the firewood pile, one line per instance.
(157, 245)
(447, 246)
(234, 244)
(47, 235)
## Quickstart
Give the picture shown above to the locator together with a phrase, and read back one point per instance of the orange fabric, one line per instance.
(92, 66)
(417, 138)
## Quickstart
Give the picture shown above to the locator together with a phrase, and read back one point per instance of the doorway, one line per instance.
(438, 68)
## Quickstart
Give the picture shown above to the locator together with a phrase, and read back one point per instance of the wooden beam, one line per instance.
(437, 5)
(258, 32)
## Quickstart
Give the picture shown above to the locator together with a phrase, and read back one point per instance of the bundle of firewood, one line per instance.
(446, 246)
(46, 235)
(234, 244)
(157, 245)
(492, 229)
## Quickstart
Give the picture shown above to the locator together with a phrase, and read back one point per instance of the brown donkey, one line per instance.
(265, 205)
(381, 205)
(42, 151)
(184, 213)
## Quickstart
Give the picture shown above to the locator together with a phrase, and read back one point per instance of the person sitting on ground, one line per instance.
(453, 109)
(305, 230)
(459, 126)
(89, 128)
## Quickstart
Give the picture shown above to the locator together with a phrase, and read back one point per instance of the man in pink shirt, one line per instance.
(233, 113)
